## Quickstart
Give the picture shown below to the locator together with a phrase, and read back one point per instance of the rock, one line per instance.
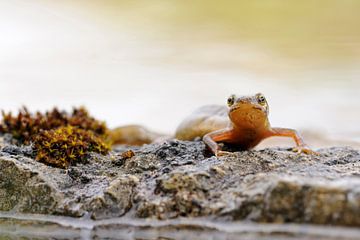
(116, 199)
(25, 190)
(181, 179)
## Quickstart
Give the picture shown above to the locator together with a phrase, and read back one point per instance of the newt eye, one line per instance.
(261, 99)
(231, 100)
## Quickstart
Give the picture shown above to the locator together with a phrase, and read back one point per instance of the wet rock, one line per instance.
(116, 199)
(181, 179)
(18, 151)
(24, 190)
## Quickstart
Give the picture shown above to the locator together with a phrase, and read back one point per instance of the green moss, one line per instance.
(59, 139)
(67, 145)
(25, 126)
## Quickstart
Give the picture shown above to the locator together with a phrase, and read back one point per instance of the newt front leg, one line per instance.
(301, 146)
(212, 138)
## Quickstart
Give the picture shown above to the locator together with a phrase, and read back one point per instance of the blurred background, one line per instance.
(154, 62)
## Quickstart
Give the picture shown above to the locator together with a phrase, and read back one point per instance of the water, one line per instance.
(152, 63)
(50, 227)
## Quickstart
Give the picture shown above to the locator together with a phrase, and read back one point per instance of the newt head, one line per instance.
(248, 111)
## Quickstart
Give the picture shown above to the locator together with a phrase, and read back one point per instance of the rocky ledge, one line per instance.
(181, 179)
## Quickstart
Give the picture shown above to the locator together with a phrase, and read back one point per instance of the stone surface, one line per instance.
(179, 179)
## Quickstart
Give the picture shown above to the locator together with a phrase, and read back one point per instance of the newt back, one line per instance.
(205, 119)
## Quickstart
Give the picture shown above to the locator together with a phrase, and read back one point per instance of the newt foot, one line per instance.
(223, 153)
(305, 150)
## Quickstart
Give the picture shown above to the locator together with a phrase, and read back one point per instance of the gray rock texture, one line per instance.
(178, 179)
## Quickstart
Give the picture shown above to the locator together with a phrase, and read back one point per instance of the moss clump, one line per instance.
(59, 139)
(67, 145)
(25, 126)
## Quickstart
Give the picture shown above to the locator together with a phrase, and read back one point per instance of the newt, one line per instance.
(132, 135)
(243, 123)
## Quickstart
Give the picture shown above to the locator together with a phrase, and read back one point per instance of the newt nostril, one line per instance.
(258, 108)
(242, 101)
